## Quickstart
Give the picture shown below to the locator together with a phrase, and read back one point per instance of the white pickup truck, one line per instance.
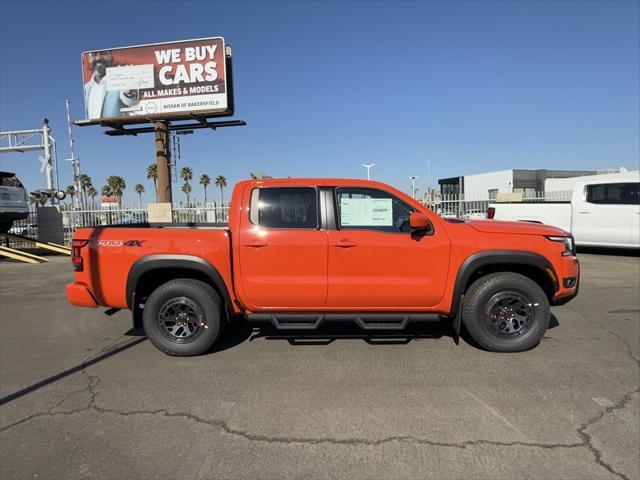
(603, 212)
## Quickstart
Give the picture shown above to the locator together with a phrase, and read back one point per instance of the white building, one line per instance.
(555, 187)
(488, 185)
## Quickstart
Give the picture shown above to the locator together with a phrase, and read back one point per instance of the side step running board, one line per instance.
(366, 321)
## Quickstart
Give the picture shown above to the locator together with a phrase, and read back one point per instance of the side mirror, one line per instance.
(419, 222)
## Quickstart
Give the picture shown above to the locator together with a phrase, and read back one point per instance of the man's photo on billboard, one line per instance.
(99, 101)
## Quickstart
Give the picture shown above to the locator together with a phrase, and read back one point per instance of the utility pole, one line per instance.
(46, 161)
(163, 156)
(368, 167)
(75, 161)
(413, 185)
(175, 152)
(22, 141)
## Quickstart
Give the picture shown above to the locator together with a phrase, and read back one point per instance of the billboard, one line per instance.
(161, 81)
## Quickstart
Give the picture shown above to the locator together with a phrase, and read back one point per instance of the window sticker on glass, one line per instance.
(364, 212)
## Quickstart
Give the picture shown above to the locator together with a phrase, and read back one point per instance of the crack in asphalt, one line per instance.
(622, 340)
(587, 440)
(93, 381)
(629, 349)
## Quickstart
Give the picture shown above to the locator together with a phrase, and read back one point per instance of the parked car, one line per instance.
(477, 214)
(299, 252)
(13, 201)
(603, 212)
(133, 218)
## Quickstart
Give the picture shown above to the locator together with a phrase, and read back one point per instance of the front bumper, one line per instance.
(80, 296)
(570, 269)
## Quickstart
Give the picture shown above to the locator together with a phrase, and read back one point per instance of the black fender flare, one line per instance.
(166, 261)
(495, 257)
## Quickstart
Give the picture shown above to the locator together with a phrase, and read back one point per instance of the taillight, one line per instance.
(491, 212)
(76, 254)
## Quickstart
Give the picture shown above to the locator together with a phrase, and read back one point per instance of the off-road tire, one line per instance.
(478, 313)
(205, 302)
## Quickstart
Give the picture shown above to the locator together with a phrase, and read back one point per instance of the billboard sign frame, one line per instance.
(188, 114)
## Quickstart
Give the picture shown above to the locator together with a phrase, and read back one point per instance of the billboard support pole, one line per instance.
(163, 155)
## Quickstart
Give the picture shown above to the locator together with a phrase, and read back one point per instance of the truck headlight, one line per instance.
(569, 244)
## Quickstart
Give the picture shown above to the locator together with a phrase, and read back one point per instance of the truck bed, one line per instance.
(173, 225)
(111, 253)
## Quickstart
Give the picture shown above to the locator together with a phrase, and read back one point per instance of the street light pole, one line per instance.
(368, 167)
(413, 185)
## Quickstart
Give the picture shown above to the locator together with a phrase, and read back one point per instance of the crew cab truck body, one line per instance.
(300, 252)
(603, 212)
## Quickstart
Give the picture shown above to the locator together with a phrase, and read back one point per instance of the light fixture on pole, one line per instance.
(368, 167)
(413, 185)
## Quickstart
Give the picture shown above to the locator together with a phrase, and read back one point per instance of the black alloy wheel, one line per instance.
(509, 314)
(181, 320)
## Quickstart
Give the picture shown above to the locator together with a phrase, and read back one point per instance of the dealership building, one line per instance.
(487, 185)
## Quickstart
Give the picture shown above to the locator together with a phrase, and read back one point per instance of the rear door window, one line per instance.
(285, 207)
(613, 193)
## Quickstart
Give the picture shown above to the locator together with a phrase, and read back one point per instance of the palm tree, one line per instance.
(92, 192)
(106, 191)
(186, 188)
(85, 183)
(152, 173)
(71, 191)
(186, 174)
(139, 189)
(205, 181)
(221, 182)
(117, 185)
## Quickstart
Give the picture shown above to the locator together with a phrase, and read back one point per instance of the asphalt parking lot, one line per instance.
(83, 397)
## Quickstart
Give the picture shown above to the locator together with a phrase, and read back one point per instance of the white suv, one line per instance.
(13, 201)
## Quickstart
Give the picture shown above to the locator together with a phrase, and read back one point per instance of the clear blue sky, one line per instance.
(472, 86)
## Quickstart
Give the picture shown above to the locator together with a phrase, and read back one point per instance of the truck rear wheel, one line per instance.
(183, 317)
(506, 312)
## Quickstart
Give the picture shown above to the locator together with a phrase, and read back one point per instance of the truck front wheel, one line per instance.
(506, 312)
(183, 317)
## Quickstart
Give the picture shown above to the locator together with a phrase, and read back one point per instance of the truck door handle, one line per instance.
(344, 243)
(256, 243)
(584, 212)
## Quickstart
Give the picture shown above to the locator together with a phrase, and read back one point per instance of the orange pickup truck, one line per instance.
(301, 252)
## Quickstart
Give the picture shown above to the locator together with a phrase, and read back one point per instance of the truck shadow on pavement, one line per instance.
(105, 353)
(241, 331)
